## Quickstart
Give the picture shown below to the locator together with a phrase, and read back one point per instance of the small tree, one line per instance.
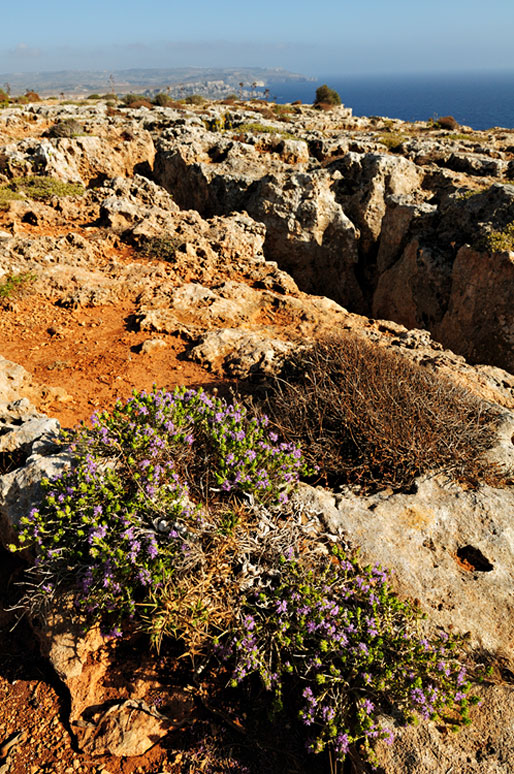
(326, 96)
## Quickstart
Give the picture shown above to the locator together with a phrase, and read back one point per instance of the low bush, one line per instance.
(14, 285)
(330, 638)
(162, 100)
(68, 127)
(366, 415)
(195, 99)
(164, 248)
(498, 241)
(32, 96)
(326, 96)
(443, 122)
(256, 128)
(130, 99)
(392, 141)
(139, 103)
(447, 122)
(126, 514)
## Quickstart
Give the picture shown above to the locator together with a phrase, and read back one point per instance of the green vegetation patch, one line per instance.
(499, 241)
(68, 128)
(326, 96)
(353, 652)
(257, 128)
(174, 514)
(392, 141)
(15, 285)
(38, 187)
(162, 247)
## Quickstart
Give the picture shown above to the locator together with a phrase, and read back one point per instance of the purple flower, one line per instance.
(367, 706)
(281, 606)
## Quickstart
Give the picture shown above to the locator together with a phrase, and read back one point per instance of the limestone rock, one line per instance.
(28, 453)
(81, 159)
(151, 345)
(479, 320)
(484, 747)
(366, 180)
(452, 549)
(127, 728)
(239, 353)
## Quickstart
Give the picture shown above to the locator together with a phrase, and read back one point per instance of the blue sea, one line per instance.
(480, 100)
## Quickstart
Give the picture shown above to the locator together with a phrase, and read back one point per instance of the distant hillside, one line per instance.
(179, 81)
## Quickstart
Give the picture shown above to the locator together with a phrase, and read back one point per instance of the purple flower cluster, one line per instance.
(353, 649)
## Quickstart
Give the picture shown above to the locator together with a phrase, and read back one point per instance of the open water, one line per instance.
(480, 100)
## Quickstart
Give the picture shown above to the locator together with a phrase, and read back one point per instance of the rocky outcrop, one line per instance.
(86, 159)
(28, 453)
(482, 287)
(371, 230)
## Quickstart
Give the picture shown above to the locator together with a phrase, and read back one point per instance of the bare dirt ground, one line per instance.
(94, 355)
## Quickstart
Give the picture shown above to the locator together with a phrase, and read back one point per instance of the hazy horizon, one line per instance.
(393, 38)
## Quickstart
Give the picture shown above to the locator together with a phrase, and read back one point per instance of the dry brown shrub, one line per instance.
(368, 416)
(447, 122)
(137, 103)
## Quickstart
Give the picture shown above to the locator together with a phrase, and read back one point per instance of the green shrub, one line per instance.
(392, 141)
(130, 99)
(174, 512)
(15, 285)
(326, 96)
(8, 194)
(366, 415)
(447, 122)
(115, 526)
(195, 99)
(68, 127)
(330, 638)
(498, 241)
(162, 247)
(162, 100)
(256, 128)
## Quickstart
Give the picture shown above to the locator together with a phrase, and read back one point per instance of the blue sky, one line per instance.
(316, 38)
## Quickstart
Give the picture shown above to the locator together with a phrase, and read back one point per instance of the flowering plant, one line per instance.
(117, 523)
(353, 651)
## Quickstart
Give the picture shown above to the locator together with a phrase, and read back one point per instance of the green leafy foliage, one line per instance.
(162, 247)
(499, 241)
(195, 99)
(332, 637)
(392, 141)
(326, 96)
(174, 513)
(112, 526)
